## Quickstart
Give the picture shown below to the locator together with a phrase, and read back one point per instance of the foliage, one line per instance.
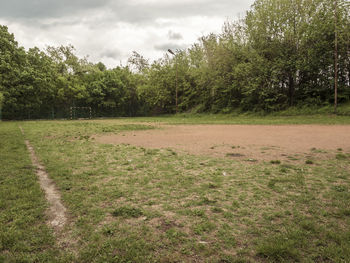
(1, 99)
(279, 56)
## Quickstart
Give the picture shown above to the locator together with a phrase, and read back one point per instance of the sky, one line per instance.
(110, 30)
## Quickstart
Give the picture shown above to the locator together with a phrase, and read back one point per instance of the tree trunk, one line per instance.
(291, 90)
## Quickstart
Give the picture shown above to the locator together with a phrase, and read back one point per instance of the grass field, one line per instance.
(132, 204)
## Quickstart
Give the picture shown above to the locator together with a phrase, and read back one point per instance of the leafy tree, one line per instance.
(281, 54)
(12, 61)
(1, 103)
(138, 62)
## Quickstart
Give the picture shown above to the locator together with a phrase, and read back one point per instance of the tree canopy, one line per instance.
(281, 54)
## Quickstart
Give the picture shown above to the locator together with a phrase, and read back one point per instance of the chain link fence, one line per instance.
(56, 113)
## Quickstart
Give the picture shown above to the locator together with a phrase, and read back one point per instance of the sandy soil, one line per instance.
(258, 142)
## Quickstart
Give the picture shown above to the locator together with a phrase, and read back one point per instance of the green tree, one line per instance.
(1, 103)
(12, 61)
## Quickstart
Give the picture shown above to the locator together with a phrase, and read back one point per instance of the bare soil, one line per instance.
(249, 142)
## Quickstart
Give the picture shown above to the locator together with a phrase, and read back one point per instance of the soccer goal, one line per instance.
(80, 113)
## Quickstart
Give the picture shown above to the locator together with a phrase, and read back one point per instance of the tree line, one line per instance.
(281, 54)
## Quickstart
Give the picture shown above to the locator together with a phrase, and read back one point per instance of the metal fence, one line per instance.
(71, 112)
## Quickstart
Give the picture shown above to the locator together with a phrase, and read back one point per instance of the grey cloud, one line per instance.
(174, 35)
(164, 47)
(95, 27)
(47, 25)
(143, 12)
(46, 8)
(126, 11)
(111, 53)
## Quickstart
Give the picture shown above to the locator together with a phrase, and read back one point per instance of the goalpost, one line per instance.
(74, 112)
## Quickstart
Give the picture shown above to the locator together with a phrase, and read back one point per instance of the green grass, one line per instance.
(131, 204)
(127, 212)
(275, 162)
(309, 162)
(24, 236)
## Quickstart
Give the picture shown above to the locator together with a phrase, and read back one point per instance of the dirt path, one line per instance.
(260, 142)
(56, 212)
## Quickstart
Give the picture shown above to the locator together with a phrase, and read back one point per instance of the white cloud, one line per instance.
(109, 31)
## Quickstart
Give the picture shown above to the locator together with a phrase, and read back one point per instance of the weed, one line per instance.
(206, 201)
(287, 166)
(340, 188)
(345, 212)
(217, 210)
(213, 186)
(127, 212)
(341, 156)
(108, 231)
(252, 160)
(284, 170)
(266, 172)
(272, 183)
(174, 234)
(275, 161)
(234, 155)
(196, 212)
(205, 226)
(279, 248)
(318, 150)
(235, 204)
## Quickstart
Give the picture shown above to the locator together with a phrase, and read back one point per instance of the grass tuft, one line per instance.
(341, 156)
(309, 162)
(127, 212)
(234, 155)
(280, 248)
(275, 161)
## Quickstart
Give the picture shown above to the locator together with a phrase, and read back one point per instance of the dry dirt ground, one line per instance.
(248, 142)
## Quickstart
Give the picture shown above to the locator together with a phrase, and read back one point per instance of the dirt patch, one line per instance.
(56, 212)
(261, 142)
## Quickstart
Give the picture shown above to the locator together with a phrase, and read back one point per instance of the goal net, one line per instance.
(80, 113)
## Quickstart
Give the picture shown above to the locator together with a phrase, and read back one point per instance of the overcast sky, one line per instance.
(109, 30)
